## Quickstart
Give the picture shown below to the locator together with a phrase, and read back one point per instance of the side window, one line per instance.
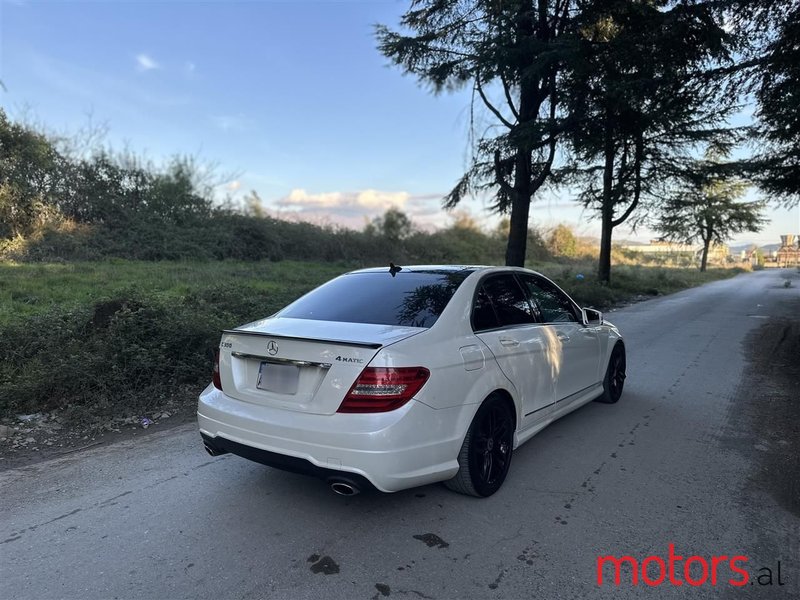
(500, 303)
(554, 305)
(483, 315)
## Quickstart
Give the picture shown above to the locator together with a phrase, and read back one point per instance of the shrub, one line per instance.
(123, 354)
(561, 241)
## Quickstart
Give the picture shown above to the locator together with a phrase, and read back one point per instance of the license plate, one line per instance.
(277, 378)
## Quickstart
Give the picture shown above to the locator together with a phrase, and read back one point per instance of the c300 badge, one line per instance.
(272, 347)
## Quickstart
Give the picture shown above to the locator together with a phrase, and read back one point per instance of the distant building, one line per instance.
(774, 256)
(717, 252)
(663, 247)
(788, 255)
(749, 254)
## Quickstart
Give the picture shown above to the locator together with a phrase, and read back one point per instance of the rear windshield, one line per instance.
(410, 298)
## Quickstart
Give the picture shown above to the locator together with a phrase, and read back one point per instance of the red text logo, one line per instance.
(675, 569)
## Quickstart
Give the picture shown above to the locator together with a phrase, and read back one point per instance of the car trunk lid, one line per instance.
(299, 364)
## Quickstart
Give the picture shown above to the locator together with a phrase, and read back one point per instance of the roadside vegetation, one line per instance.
(117, 275)
(95, 340)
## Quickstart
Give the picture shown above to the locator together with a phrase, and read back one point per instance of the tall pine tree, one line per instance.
(640, 99)
(511, 54)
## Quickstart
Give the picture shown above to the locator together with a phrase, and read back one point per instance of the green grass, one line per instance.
(28, 289)
(123, 337)
(628, 282)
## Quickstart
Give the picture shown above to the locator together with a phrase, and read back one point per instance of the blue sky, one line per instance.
(291, 97)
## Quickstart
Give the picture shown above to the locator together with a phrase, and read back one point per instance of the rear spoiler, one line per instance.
(372, 345)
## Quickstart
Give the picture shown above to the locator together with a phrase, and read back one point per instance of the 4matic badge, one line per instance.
(359, 361)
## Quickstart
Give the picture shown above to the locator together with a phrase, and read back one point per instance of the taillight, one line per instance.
(215, 373)
(381, 389)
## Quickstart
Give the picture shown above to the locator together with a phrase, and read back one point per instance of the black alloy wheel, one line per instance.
(486, 452)
(615, 376)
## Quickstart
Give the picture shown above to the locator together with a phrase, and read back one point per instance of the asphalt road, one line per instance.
(679, 460)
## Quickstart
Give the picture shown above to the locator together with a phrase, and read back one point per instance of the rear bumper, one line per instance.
(411, 446)
(220, 445)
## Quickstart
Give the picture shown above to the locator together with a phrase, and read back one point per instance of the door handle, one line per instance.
(563, 338)
(509, 343)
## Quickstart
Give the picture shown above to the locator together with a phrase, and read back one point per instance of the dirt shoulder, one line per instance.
(28, 439)
(769, 403)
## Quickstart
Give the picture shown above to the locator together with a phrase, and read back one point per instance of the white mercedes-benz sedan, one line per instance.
(397, 377)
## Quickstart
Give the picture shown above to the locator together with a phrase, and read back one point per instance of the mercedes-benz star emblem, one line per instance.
(272, 347)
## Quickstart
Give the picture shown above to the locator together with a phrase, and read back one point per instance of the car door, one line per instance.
(578, 345)
(503, 319)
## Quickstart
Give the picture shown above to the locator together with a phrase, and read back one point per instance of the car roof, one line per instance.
(424, 269)
(440, 269)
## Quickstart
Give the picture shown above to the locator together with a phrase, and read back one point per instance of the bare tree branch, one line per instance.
(499, 177)
(637, 190)
(489, 105)
(545, 171)
(509, 99)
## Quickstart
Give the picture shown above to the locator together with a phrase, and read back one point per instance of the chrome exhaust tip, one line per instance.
(212, 450)
(344, 488)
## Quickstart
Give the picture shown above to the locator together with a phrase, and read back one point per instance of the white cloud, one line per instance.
(354, 209)
(146, 63)
(363, 202)
(234, 185)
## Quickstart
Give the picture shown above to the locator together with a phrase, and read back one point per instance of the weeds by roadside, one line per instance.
(126, 338)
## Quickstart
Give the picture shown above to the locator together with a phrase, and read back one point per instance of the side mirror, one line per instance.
(592, 317)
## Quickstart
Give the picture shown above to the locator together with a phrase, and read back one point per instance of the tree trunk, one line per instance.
(704, 259)
(528, 110)
(604, 264)
(520, 209)
(607, 210)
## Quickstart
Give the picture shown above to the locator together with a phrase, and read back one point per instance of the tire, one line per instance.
(485, 455)
(614, 380)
